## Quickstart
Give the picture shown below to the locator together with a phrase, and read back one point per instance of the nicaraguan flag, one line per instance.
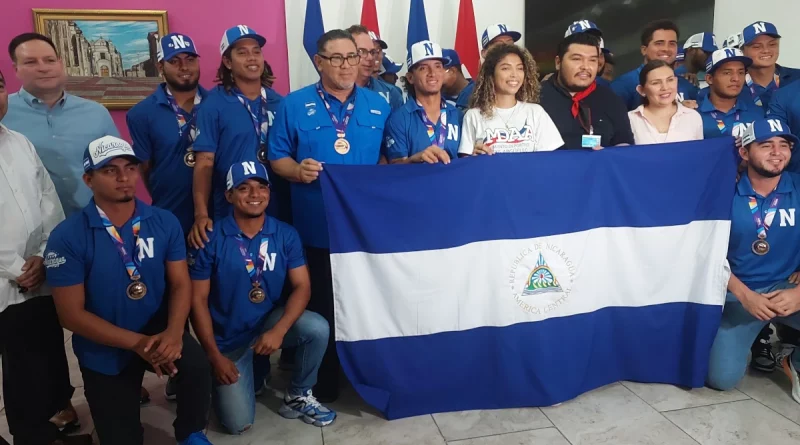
(527, 279)
(417, 24)
(314, 29)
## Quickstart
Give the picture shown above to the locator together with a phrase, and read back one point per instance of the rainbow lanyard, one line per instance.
(185, 119)
(253, 269)
(721, 124)
(762, 225)
(131, 262)
(340, 127)
(435, 139)
(259, 123)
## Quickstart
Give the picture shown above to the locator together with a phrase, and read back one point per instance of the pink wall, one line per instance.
(203, 20)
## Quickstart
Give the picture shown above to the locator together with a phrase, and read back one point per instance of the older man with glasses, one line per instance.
(370, 52)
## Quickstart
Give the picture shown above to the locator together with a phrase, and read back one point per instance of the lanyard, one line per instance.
(762, 225)
(186, 120)
(254, 270)
(131, 262)
(587, 127)
(774, 85)
(435, 139)
(339, 126)
(259, 116)
(721, 124)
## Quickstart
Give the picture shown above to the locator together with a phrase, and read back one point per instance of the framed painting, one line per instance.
(109, 55)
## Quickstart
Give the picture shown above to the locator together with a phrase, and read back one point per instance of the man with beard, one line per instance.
(370, 51)
(724, 113)
(762, 253)
(697, 49)
(586, 114)
(333, 121)
(120, 283)
(426, 128)
(659, 42)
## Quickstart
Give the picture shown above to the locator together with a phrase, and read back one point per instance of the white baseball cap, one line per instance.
(424, 50)
(726, 55)
(494, 31)
(102, 150)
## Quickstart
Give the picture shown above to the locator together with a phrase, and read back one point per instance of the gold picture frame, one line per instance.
(109, 55)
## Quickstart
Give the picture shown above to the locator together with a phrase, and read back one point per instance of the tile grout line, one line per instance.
(504, 433)
(554, 424)
(438, 428)
(771, 409)
(662, 414)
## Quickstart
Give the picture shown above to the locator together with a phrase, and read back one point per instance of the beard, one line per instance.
(766, 173)
(570, 86)
(184, 87)
(126, 198)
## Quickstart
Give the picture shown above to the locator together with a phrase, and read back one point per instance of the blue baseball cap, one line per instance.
(765, 129)
(450, 58)
(242, 171)
(681, 55)
(236, 33)
(703, 40)
(390, 66)
(103, 150)
(173, 44)
(579, 26)
(725, 55)
(756, 29)
(494, 31)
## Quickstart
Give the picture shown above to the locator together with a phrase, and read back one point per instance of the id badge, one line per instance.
(590, 140)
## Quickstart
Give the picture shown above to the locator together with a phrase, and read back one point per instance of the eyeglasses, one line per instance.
(337, 60)
(372, 52)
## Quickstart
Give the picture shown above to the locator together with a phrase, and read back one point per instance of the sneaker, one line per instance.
(307, 408)
(197, 438)
(763, 359)
(785, 361)
(170, 391)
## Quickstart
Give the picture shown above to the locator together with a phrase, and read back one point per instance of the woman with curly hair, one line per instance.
(504, 114)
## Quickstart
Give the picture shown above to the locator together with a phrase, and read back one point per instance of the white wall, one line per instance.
(442, 18)
(732, 16)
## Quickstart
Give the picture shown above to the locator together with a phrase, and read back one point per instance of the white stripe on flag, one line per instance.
(475, 285)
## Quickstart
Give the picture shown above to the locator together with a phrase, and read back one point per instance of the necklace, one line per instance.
(510, 117)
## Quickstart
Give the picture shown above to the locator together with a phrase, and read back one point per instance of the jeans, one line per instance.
(235, 404)
(737, 331)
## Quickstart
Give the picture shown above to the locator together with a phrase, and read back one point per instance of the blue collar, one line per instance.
(707, 107)
(412, 105)
(745, 188)
(145, 211)
(161, 94)
(332, 99)
(230, 97)
(230, 228)
(31, 100)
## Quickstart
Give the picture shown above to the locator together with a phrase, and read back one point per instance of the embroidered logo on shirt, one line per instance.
(378, 112)
(52, 260)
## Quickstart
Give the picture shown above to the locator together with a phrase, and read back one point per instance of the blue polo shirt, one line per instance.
(80, 251)
(783, 236)
(303, 129)
(762, 96)
(718, 124)
(235, 319)
(154, 130)
(462, 101)
(391, 93)
(602, 81)
(226, 129)
(406, 133)
(625, 87)
(785, 105)
(60, 135)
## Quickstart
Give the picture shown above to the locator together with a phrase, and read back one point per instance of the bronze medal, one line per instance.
(136, 290)
(760, 247)
(262, 154)
(341, 146)
(189, 158)
(257, 295)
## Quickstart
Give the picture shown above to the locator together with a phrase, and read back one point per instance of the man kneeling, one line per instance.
(764, 251)
(238, 277)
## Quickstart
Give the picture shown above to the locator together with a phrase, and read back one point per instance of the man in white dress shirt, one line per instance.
(31, 338)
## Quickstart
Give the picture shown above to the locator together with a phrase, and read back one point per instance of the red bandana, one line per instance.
(578, 97)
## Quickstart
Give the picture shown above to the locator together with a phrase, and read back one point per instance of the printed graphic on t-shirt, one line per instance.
(510, 140)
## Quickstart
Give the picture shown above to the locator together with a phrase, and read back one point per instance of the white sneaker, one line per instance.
(307, 408)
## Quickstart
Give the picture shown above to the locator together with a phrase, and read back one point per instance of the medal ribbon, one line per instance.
(253, 269)
(762, 225)
(339, 126)
(436, 139)
(721, 124)
(258, 119)
(186, 120)
(776, 81)
(131, 262)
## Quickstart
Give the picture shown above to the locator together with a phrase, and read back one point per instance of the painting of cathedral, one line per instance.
(109, 55)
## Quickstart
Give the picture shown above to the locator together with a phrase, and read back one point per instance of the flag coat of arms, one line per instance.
(528, 279)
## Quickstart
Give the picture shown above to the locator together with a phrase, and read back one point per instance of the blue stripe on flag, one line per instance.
(533, 364)
(314, 28)
(378, 209)
(417, 24)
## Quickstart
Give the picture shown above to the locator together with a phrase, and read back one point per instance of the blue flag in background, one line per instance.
(314, 29)
(417, 24)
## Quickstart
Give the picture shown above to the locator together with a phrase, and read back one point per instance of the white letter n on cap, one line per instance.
(249, 167)
(243, 29)
(775, 125)
(760, 27)
(178, 41)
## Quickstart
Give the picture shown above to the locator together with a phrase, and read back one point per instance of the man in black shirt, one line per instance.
(588, 115)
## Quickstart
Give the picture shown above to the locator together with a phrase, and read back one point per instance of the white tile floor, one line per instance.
(760, 411)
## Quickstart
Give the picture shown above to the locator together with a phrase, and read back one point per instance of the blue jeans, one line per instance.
(737, 331)
(235, 404)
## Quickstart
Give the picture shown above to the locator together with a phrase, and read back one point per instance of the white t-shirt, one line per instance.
(524, 128)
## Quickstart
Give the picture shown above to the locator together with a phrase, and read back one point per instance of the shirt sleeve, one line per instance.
(777, 107)
(395, 140)
(65, 264)
(281, 140)
(294, 250)
(50, 205)
(177, 245)
(208, 129)
(548, 138)
(698, 126)
(395, 97)
(138, 128)
(201, 261)
(468, 129)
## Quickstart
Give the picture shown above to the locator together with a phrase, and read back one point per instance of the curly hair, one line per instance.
(484, 95)
(225, 75)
